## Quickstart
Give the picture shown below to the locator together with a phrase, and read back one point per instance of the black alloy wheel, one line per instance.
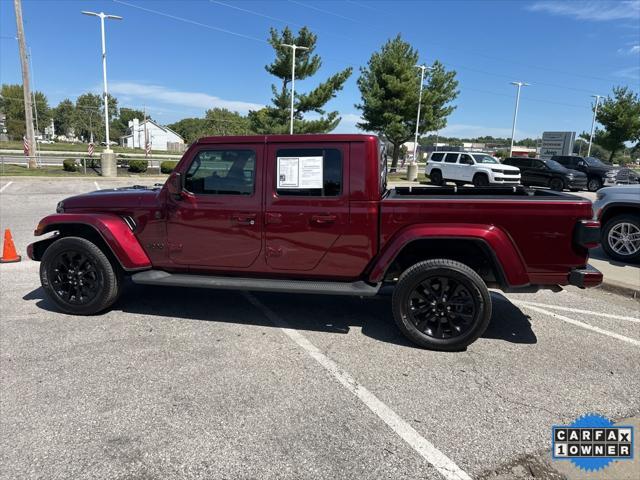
(78, 277)
(594, 184)
(556, 184)
(441, 304)
(435, 177)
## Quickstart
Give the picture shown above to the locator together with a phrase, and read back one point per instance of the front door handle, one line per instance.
(244, 219)
(323, 219)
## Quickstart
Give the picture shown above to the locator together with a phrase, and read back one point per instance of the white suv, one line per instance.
(479, 169)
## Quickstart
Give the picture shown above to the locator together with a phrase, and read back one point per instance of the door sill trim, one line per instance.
(162, 278)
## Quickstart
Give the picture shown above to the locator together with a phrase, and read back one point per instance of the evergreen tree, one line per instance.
(276, 117)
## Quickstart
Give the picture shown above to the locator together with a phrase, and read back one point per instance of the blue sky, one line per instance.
(179, 58)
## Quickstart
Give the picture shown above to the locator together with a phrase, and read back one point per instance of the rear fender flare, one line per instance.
(498, 242)
(112, 229)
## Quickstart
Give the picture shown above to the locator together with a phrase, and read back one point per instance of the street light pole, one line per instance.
(515, 113)
(593, 122)
(415, 143)
(102, 16)
(293, 48)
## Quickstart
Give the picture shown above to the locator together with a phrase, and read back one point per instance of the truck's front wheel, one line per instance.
(441, 304)
(78, 277)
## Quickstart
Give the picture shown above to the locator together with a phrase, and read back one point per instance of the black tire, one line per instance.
(594, 184)
(435, 177)
(480, 180)
(556, 184)
(615, 249)
(416, 299)
(78, 277)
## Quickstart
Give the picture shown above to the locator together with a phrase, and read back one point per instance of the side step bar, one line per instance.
(159, 277)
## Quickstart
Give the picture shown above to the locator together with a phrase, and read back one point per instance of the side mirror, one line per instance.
(174, 184)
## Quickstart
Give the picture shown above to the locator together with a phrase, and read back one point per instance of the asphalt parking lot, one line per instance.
(177, 383)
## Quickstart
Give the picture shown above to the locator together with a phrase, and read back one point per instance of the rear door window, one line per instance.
(451, 158)
(320, 168)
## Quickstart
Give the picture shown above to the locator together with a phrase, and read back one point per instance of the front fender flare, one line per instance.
(498, 242)
(112, 229)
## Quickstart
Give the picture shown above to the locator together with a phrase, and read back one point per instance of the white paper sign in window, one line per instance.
(300, 172)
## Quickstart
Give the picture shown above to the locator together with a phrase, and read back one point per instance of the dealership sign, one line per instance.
(557, 143)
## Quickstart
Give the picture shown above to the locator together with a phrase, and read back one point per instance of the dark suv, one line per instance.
(599, 174)
(547, 173)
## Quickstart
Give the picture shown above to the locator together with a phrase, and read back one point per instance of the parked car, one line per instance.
(618, 210)
(479, 169)
(598, 173)
(536, 172)
(312, 214)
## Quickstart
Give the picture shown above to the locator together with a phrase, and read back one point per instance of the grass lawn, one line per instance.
(402, 176)
(58, 171)
(80, 147)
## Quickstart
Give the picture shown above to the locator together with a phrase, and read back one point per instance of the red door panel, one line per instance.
(301, 229)
(211, 228)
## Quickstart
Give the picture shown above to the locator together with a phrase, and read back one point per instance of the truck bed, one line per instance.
(498, 192)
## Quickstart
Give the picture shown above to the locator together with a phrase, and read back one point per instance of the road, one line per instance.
(177, 383)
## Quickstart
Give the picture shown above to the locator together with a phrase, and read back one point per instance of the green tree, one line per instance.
(119, 125)
(275, 118)
(220, 121)
(12, 104)
(89, 116)
(191, 129)
(389, 86)
(63, 117)
(620, 117)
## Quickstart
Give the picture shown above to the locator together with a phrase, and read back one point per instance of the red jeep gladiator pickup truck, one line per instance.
(312, 214)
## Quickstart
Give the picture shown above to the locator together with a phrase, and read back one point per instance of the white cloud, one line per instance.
(631, 73)
(462, 130)
(629, 50)
(591, 10)
(160, 94)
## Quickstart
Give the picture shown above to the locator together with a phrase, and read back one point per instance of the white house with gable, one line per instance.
(160, 137)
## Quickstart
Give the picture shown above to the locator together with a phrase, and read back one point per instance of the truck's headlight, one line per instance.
(60, 207)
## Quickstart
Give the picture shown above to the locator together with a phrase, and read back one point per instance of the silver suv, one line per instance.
(618, 210)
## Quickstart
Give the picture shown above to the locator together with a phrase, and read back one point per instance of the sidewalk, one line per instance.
(618, 277)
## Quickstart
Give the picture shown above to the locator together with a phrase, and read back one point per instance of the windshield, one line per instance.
(482, 158)
(553, 165)
(594, 162)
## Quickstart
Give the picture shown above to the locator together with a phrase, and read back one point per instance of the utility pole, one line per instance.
(293, 48)
(107, 158)
(515, 113)
(415, 143)
(593, 122)
(26, 86)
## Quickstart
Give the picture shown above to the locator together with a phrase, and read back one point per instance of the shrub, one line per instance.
(69, 165)
(138, 166)
(167, 166)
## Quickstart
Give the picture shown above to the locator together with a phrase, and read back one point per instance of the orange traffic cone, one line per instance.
(9, 253)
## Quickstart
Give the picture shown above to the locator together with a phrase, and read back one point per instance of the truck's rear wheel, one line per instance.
(78, 277)
(441, 304)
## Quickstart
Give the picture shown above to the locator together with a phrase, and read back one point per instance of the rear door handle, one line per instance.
(244, 219)
(323, 219)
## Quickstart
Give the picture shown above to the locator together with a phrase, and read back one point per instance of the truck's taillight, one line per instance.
(587, 233)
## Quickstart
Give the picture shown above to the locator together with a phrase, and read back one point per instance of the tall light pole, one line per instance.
(593, 122)
(415, 143)
(293, 48)
(102, 16)
(515, 113)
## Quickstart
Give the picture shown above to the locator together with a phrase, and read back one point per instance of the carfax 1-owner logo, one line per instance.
(592, 442)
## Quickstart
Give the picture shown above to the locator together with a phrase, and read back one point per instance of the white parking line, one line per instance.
(577, 323)
(577, 310)
(4, 187)
(96, 184)
(447, 468)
